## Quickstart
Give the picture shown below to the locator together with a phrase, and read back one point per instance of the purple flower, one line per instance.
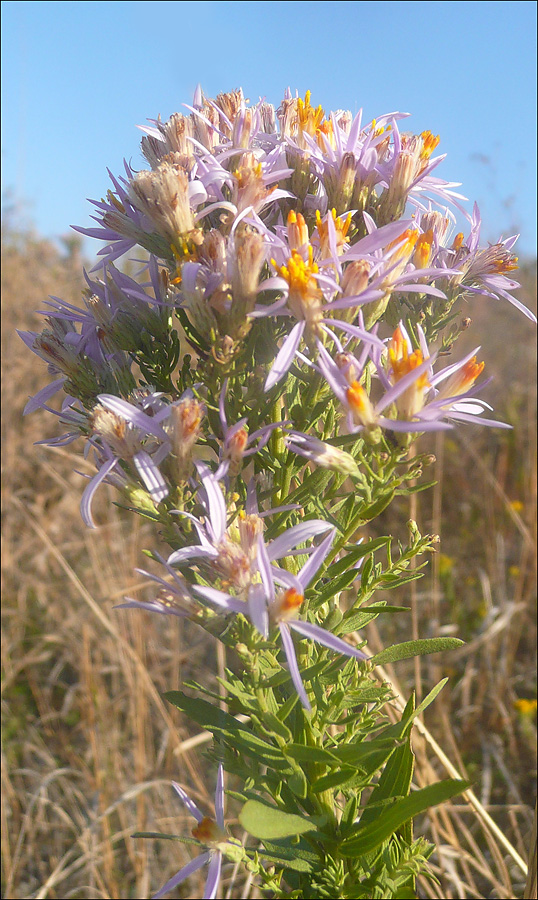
(313, 290)
(211, 834)
(268, 606)
(173, 597)
(362, 414)
(125, 431)
(237, 442)
(421, 400)
(121, 225)
(325, 455)
(230, 553)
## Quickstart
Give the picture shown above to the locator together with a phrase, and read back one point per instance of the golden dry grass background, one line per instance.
(89, 748)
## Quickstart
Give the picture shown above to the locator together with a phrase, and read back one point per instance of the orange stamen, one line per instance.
(291, 600)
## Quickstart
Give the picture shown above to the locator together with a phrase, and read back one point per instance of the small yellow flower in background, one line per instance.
(516, 505)
(446, 564)
(514, 571)
(526, 708)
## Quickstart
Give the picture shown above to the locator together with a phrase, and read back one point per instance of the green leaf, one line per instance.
(288, 706)
(202, 712)
(408, 649)
(376, 508)
(253, 746)
(335, 586)
(334, 779)
(274, 725)
(286, 862)
(220, 722)
(355, 619)
(304, 753)
(368, 756)
(268, 822)
(297, 783)
(430, 697)
(298, 856)
(368, 837)
(395, 781)
(353, 554)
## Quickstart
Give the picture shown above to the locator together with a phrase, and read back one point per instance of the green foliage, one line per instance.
(269, 823)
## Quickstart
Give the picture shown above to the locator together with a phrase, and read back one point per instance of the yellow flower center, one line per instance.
(359, 401)
(423, 249)
(401, 363)
(341, 227)
(288, 603)
(248, 173)
(462, 381)
(305, 295)
(429, 143)
(297, 230)
(407, 240)
(310, 119)
(207, 831)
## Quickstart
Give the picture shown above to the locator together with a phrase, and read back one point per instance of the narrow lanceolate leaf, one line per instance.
(334, 779)
(395, 781)
(366, 756)
(368, 837)
(204, 713)
(415, 648)
(303, 753)
(430, 697)
(268, 822)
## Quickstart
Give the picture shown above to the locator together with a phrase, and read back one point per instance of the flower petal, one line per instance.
(257, 608)
(151, 476)
(213, 876)
(186, 800)
(285, 355)
(133, 415)
(152, 606)
(316, 559)
(43, 395)
(289, 650)
(215, 499)
(322, 636)
(219, 598)
(282, 545)
(183, 873)
(87, 497)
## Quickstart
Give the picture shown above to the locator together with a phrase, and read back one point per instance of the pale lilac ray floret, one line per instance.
(422, 400)
(124, 432)
(237, 443)
(230, 552)
(362, 414)
(173, 597)
(211, 834)
(268, 606)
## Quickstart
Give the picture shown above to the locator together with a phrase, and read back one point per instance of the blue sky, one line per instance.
(78, 77)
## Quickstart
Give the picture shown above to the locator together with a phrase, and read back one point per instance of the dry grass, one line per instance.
(89, 748)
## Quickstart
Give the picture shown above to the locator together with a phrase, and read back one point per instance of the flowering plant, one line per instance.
(257, 392)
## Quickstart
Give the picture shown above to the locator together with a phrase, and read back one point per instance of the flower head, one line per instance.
(209, 833)
(274, 601)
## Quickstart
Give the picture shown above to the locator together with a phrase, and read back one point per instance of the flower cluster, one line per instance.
(300, 285)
